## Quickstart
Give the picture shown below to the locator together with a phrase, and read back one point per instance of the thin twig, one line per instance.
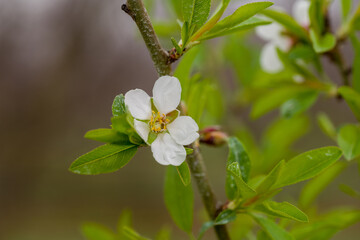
(160, 57)
(198, 170)
(162, 62)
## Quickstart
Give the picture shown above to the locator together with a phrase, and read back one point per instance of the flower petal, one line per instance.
(167, 94)
(183, 130)
(166, 151)
(138, 103)
(269, 59)
(142, 129)
(270, 32)
(301, 12)
(283, 43)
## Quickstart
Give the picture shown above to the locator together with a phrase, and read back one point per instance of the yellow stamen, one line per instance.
(158, 122)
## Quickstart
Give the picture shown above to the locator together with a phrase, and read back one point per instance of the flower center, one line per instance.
(158, 122)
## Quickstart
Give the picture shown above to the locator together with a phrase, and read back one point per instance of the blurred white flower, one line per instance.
(269, 59)
(300, 12)
(158, 122)
(274, 34)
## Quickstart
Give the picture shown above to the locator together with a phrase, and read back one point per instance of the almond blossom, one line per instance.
(158, 123)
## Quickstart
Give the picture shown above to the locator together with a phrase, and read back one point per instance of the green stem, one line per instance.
(162, 62)
(160, 57)
(347, 26)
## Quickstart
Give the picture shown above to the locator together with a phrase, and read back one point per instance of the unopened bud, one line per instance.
(213, 136)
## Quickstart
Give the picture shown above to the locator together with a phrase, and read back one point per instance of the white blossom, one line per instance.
(276, 39)
(300, 12)
(161, 120)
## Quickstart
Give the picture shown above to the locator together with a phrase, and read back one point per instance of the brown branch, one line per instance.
(199, 173)
(160, 57)
(162, 62)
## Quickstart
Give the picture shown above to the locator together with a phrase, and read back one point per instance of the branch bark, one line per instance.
(162, 62)
(198, 170)
(160, 57)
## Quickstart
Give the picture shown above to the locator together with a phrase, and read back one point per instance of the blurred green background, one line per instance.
(61, 64)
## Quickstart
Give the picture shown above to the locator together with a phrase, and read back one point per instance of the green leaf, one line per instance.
(107, 135)
(323, 43)
(350, 23)
(197, 99)
(121, 124)
(184, 173)
(151, 138)
(279, 138)
(136, 139)
(314, 187)
(125, 124)
(326, 125)
(104, 159)
(183, 71)
(179, 200)
(317, 16)
(349, 141)
(163, 234)
(177, 8)
(196, 12)
(176, 45)
(325, 227)
(271, 178)
(288, 22)
(352, 98)
(308, 165)
(212, 21)
(206, 226)
(302, 51)
(94, 231)
(118, 106)
(274, 99)
(124, 220)
(215, 106)
(225, 217)
(241, 55)
(345, 9)
(283, 210)
(237, 154)
(132, 234)
(246, 25)
(356, 20)
(273, 230)
(185, 34)
(349, 191)
(298, 104)
(242, 189)
(262, 235)
(189, 151)
(242, 14)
